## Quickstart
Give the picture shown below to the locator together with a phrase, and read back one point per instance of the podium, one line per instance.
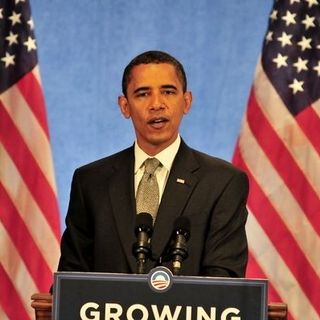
(158, 295)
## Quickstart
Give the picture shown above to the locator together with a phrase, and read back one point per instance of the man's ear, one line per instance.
(188, 101)
(124, 106)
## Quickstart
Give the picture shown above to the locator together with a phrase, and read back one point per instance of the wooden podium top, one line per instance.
(42, 303)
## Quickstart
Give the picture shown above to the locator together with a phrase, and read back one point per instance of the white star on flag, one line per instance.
(269, 36)
(296, 86)
(289, 18)
(12, 38)
(15, 18)
(8, 59)
(285, 39)
(31, 23)
(273, 15)
(305, 43)
(308, 22)
(30, 44)
(280, 60)
(301, 64)
(317, 68)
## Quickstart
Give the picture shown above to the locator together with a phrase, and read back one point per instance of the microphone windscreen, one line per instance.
(144, 222)
(182, 226)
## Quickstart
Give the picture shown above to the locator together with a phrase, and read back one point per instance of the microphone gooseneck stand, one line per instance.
(141, 248)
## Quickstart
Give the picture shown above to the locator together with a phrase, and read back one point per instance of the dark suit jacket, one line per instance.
(101, 216)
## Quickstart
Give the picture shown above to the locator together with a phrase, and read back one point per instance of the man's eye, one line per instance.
(169, 92)
(142, 94)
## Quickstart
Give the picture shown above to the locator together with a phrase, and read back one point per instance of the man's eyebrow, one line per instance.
(169, 86)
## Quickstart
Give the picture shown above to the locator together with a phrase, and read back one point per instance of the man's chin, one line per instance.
(162, 142)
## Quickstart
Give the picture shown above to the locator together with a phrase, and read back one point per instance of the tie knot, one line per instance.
(151, 164)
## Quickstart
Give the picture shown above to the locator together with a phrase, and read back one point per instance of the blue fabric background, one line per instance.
(83, 47)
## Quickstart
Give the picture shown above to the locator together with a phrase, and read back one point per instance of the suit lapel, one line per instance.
(179, 187)
(121, 192)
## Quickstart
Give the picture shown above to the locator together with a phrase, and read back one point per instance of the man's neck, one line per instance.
(153, 149)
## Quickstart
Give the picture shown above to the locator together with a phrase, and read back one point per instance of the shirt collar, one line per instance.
(166, 156)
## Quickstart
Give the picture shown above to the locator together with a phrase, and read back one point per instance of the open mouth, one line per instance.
(156, 121)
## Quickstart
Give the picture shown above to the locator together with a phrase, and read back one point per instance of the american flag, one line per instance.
(279, 148)
(29, 217)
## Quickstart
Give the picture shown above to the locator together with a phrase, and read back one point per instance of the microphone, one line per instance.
(179, 251)
(143, 231)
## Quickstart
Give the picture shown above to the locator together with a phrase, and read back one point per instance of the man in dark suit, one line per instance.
(209, 191)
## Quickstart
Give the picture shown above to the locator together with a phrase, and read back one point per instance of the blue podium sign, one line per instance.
(157, 296)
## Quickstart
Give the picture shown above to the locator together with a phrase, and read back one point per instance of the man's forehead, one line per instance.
(150, 74)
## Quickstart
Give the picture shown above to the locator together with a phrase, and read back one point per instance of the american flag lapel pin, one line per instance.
(179, 180)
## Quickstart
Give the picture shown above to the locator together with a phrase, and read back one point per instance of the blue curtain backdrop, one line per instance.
(84, 45)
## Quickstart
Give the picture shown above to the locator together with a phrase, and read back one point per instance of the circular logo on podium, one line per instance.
(160, 279)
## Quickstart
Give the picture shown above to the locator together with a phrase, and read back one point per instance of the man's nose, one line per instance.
(157, 101)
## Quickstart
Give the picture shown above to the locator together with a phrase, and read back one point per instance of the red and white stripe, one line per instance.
(280, 154)
(29, 215)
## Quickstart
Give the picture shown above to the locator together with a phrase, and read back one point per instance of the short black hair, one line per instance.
(153, 57)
